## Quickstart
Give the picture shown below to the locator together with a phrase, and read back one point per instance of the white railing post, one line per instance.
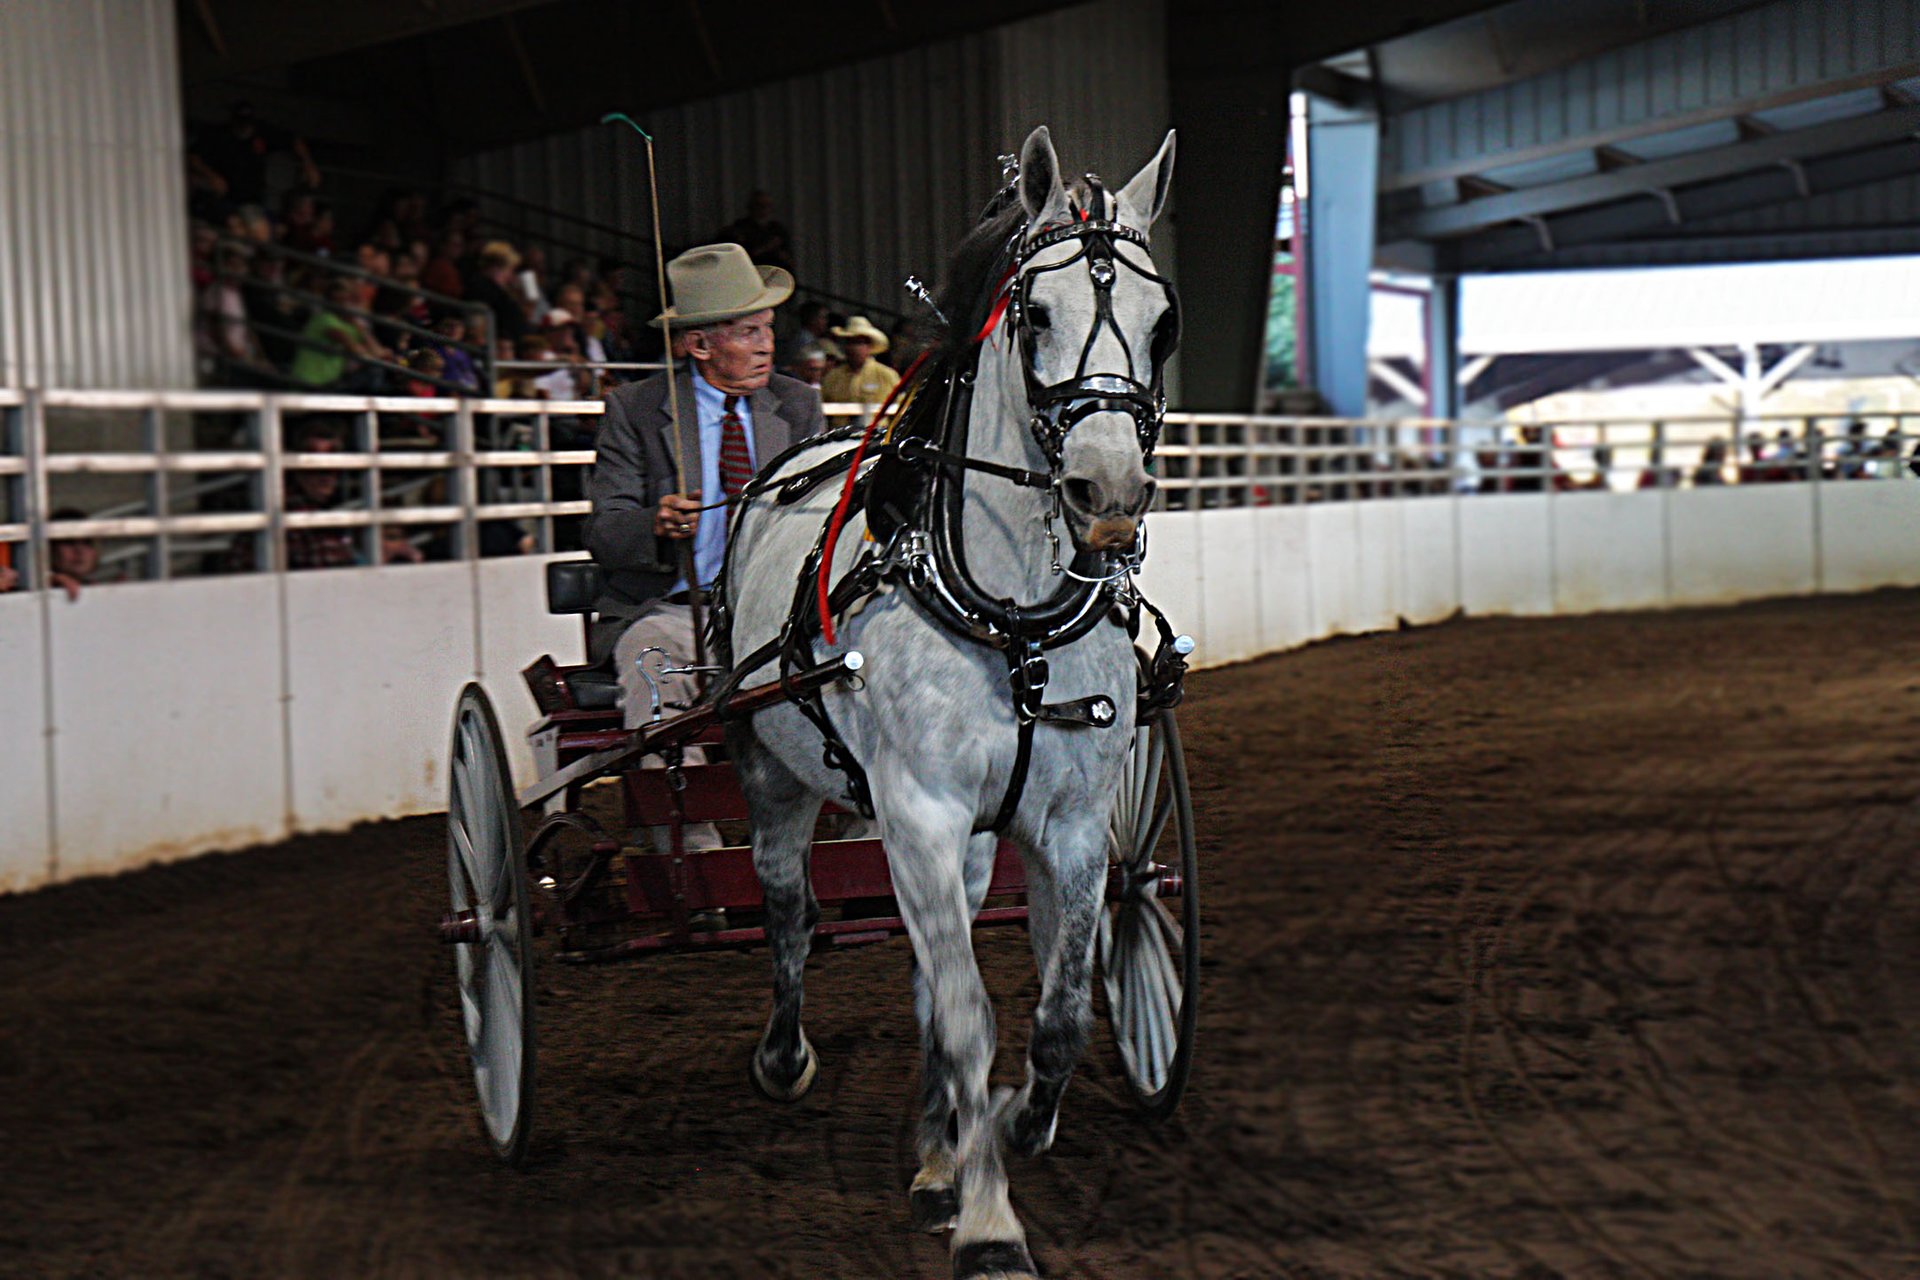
(466, 482)
(268, 425)
(33, 440)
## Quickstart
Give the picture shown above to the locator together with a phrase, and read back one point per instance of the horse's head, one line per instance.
(1095, 323)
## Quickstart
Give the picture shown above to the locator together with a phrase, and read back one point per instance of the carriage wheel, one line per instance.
(1150, 945)
(487, 868)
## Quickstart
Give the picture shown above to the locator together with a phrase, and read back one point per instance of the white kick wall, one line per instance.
(152, 721)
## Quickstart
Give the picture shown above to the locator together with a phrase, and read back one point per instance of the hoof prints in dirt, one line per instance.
(1580, 947)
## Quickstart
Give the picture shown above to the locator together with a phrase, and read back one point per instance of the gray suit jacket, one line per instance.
(634, 470)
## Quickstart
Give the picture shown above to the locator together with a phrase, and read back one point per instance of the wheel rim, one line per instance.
(486, 872)
(1148, 952)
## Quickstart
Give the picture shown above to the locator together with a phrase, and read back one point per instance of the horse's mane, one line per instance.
(966, 298)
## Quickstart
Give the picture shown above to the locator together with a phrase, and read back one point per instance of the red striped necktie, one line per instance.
(736, 464)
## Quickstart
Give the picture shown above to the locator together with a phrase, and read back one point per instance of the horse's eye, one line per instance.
(1038, 317)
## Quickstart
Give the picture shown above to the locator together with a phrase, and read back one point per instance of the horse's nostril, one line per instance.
(1081, 493)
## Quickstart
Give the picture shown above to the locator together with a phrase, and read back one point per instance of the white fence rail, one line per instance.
(155, 719)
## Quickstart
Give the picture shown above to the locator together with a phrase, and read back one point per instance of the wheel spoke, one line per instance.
(1149, 839)
(500, 1091)
(469, 860)
(1153, 1007)
(1168, 974)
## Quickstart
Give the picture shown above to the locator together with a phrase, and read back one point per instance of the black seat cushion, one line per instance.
(573, 586)
(594, 688)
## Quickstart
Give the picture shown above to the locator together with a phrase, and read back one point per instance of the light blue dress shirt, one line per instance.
(710, 539)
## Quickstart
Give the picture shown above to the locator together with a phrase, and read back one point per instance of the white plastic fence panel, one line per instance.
(1230, 584)
(1285, 582)
(1506, 554)
(1429, 559)
(1742, 542)
(1378, 581)
(26, 852)
(375, 659)
(1869, 535)
(168, 739)
(515, 629)
(1333, 552)
(1171, 576)
(1609, 551)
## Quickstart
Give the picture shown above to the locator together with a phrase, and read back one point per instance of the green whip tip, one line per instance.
(622, 116)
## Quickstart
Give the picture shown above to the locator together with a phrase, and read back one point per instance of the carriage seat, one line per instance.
(572, 587)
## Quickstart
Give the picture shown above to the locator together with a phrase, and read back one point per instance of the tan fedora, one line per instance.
(716, 282)
(861, 327)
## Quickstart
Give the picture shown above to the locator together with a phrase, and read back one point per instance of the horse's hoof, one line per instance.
(935, 1208)
(994, 1260)
(1025, 1136)
(792, 1090)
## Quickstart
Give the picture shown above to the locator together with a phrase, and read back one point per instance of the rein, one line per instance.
(925, 548)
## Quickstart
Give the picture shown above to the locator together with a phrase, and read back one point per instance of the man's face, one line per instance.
(811, 370)
(735, 357)
(78, 558)
(858, 349)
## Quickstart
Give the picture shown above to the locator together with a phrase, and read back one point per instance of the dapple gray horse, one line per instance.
(934, 727)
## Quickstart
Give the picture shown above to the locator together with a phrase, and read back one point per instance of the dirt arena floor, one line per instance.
(1583, 947)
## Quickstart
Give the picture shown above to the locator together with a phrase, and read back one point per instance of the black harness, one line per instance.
(914, 500)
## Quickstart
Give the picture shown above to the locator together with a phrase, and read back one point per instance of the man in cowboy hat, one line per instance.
(736, 413)
(862, 379)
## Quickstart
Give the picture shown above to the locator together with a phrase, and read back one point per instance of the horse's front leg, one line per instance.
(926, 839)
(933, 1201)
(1066, 885)
(782, 811)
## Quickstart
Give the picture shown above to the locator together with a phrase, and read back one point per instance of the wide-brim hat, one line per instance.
(718, 282)
(861, 327)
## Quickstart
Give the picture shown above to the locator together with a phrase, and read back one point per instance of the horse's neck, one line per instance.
(1004, 523)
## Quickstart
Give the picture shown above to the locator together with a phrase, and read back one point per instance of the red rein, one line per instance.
(821, 588)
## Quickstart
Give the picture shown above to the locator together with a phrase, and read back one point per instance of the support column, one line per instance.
(1343, 160)
(1443, 348)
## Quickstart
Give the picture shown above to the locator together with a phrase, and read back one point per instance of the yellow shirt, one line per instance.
(868, 386)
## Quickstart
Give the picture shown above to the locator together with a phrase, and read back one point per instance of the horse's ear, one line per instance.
(1041, 193)
(1142, 198)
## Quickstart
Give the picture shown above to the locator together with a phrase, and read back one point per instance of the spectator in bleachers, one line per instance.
(9, 576)
(1529, 459)
(224, 338)
(1657, 474)
(765, 240)
(202, 238)
(72, 563)
(810, 366)
(230, 161)
(315, 490)
(862, 379)
(530, 283)
(456, 364)
(441, 273)
(815, 321)
(331, 339)
(1713, 465)
(490, 284)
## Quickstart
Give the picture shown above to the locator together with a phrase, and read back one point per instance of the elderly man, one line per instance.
(735, 414)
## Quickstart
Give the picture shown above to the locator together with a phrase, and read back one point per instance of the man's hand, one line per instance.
(677, 517)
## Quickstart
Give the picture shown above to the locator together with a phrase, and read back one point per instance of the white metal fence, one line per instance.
(159, 719)
(174, 484)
